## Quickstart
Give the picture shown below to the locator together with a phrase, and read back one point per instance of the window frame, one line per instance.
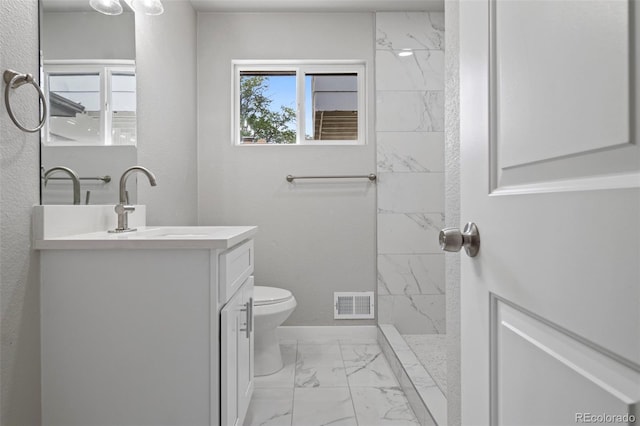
(301, 69)
(105, 69)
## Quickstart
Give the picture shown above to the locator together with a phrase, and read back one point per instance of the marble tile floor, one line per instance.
(431, 351)
(330, 382)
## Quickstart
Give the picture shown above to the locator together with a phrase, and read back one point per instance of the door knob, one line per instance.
(451, 239)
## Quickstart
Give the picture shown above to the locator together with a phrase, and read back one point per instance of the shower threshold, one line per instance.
(424, 394)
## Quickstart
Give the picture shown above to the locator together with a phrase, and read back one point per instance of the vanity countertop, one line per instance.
(153, 237)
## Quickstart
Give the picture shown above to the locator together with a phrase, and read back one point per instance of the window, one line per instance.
(90, 103)
(298, 103)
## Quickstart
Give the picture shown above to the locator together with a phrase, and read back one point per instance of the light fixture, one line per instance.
(405, 52)
(114, 7)
(108, 7)
(148, 7)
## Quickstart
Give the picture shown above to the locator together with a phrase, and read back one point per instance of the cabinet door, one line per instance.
(245, 351)
(236, 355)
(230, 324)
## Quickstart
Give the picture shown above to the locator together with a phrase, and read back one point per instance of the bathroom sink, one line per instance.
(174, 235)
(152, 237)
(181, 232)
(85, 227)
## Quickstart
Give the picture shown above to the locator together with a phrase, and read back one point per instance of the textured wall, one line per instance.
(314, 237)
(166, 68)
(410, 138)
(452, 207)
(19, 178)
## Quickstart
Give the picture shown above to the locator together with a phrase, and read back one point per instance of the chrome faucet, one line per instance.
(123, 208)
(72, 175)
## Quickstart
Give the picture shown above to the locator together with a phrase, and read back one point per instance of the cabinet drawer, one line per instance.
(236, 265)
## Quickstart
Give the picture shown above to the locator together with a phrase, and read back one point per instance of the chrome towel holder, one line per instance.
(13, 80)
(103, 179)
(372, 177)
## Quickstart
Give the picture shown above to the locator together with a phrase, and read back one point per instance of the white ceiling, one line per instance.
(316, 5)
(274, 5)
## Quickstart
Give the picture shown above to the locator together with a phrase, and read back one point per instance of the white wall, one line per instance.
(452, 207)
(315, 237)
(166, 69)
(19, 271)
(410, 124)
(88, 35)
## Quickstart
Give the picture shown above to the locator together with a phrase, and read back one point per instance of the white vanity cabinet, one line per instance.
(149, 328)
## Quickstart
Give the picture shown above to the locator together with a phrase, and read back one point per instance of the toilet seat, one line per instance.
(270, 295)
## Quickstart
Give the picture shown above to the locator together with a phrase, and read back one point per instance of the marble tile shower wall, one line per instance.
(410, 164)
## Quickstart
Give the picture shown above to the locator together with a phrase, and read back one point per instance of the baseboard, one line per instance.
(328, 332)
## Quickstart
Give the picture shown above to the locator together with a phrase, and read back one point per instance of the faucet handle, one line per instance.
(123, 221)
(124, 208)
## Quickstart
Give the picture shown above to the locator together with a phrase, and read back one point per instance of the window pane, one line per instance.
(331, 104)
(74, 107)
(123, 106)
(268, 107)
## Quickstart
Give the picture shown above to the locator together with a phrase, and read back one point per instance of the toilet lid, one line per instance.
(269, 295)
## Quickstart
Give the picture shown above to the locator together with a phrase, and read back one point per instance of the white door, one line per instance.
(549, 173)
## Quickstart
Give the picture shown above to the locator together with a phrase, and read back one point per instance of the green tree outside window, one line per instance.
(257, 120)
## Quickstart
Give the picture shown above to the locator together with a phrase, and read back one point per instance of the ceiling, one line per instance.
(274, 5)
(316, 5)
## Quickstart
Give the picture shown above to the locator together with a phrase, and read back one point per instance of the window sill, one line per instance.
(318, 144)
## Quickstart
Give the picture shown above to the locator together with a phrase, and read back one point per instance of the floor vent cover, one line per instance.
(353, 305)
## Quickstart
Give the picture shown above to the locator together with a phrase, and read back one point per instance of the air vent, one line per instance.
(353, 305)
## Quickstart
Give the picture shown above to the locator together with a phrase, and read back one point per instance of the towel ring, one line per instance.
(14, 80)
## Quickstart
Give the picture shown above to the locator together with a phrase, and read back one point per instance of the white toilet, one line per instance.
(271, 306)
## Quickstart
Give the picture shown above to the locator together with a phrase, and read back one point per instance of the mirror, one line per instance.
(87, 70)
